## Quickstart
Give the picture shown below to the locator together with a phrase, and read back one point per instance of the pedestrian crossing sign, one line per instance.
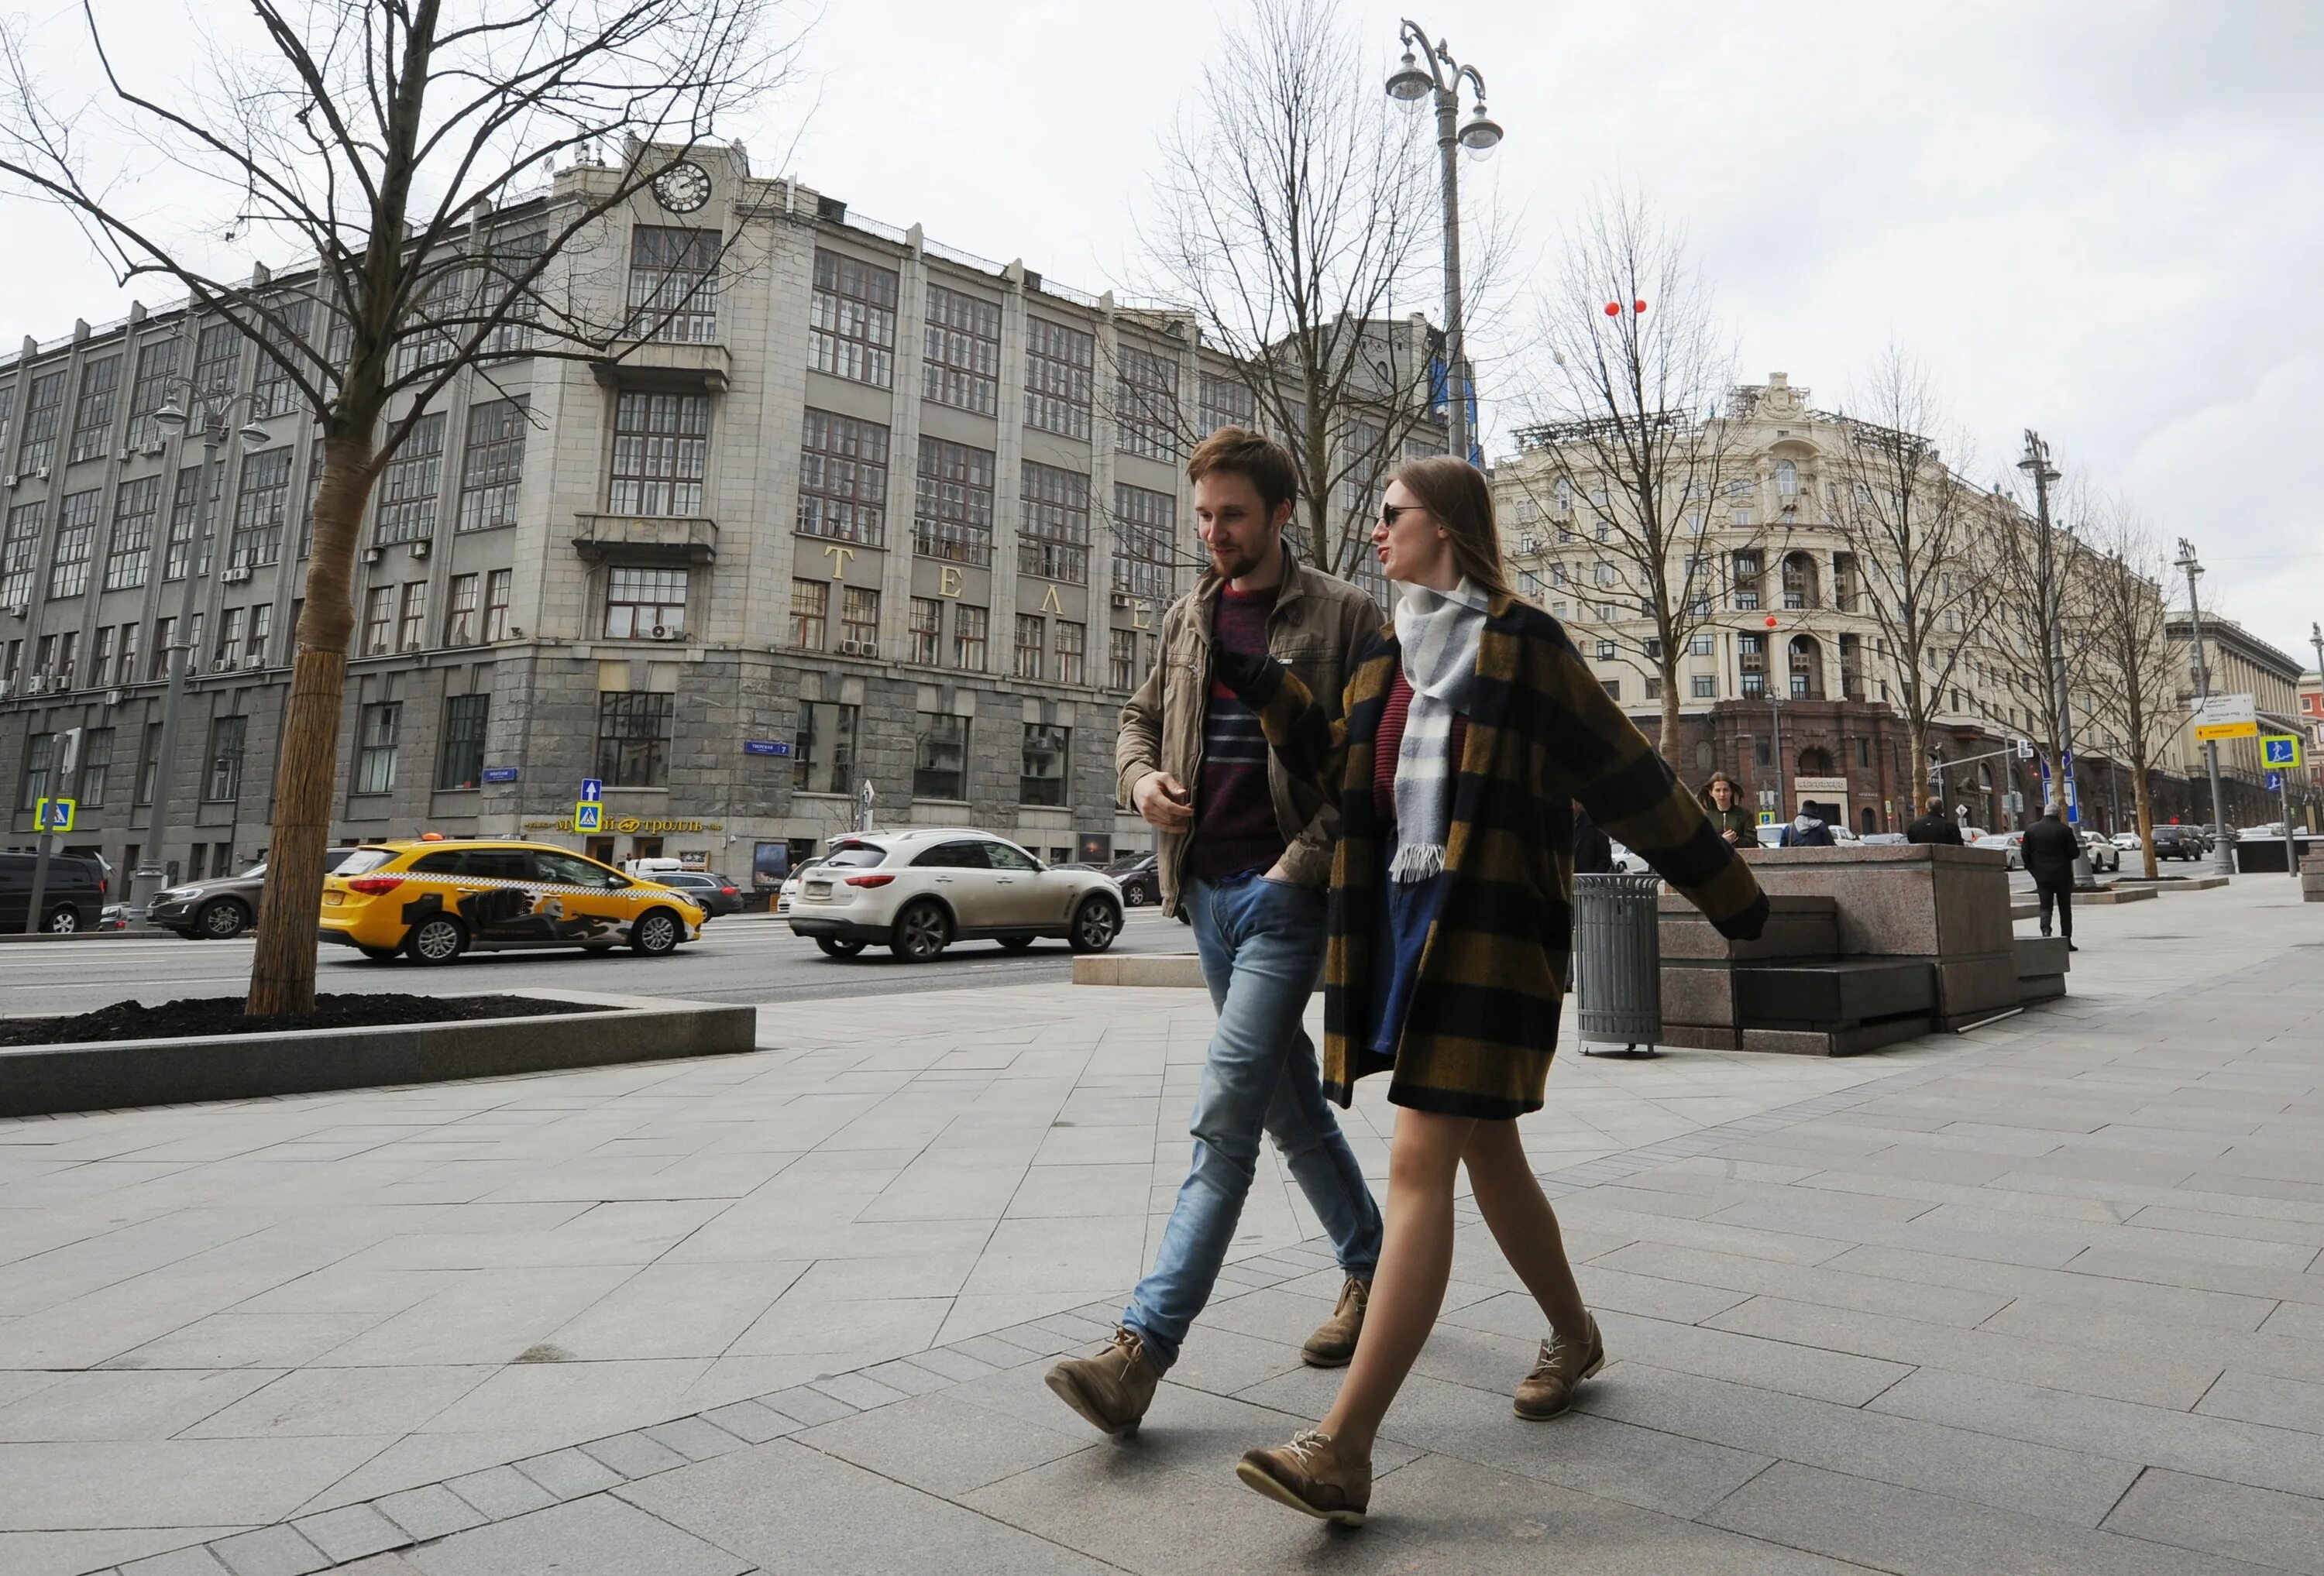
(589, 816)
(54, 815)
(2280, 751)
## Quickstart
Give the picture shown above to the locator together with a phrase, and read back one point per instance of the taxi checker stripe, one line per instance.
(442, 878)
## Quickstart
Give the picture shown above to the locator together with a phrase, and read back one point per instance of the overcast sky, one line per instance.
(2101, 219)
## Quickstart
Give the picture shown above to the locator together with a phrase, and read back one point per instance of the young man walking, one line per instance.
(1237, 861)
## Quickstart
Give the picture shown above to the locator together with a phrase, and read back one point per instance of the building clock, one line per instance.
(683, 187)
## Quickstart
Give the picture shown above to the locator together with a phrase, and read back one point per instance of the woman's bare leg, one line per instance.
(1523, 1223)
(1408, 1288)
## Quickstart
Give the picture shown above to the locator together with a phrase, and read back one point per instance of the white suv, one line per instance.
(917, 892)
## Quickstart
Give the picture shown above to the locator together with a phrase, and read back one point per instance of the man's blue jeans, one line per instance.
(1262, 944)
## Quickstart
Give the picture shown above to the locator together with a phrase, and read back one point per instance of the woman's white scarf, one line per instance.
(1438, 631)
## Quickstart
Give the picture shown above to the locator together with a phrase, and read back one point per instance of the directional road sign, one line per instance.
(54, 815)
(2226, 716)
(593, 788)
(589, 816)
(2275, 782)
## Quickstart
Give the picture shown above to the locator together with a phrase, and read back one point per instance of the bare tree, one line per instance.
(1913, 529)
(392, 144)
(1294, 216)
(1635, 452)
(2132, 677)
(2035, 586)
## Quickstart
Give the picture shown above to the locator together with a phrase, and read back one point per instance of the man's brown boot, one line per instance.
(1548, 1390)
(1333, 1344)
(1310, 1475)
(1111, 1389)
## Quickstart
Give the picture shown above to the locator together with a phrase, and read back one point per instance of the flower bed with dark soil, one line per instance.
(202, 1017)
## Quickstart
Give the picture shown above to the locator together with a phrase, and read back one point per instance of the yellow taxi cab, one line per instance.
(431, 899)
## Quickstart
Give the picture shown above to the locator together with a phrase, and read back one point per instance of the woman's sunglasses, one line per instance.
(1389, 511)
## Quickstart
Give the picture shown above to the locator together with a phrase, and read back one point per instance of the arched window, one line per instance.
(1864, 820)
(1565, 496)
(1800, 588)
(1806, 668)
(1814, 762)
(1787, 479)
(1705, 757)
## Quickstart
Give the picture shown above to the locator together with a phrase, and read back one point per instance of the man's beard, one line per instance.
(1235, 566)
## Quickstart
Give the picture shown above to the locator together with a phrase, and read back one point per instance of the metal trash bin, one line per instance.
(1618, 961)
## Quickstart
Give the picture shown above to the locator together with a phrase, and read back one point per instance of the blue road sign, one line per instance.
(589, 816)
(54, 815)
(2280, 750)
(2275, 782)
(593, 788)
(766, 746)
(500, 774)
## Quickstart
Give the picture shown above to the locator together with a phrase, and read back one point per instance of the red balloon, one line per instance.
(1637, 306)
(1771, 620)
(1613, 309)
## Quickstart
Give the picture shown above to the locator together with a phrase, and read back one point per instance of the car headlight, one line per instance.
(182, 894)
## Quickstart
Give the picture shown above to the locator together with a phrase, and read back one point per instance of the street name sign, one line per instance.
(500, 774)
(766, 746)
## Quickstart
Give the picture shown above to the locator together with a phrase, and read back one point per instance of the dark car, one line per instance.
(2178, 843)
(72, 899)
(1140, 882)
(716, 893)
(223, 907)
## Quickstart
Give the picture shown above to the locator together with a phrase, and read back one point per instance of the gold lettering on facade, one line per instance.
(948, 581)
(1050, 604)
(839, 557)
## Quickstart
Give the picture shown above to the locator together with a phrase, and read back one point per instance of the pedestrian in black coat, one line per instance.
(1593, 851)
(2049, 849)
(1935, 826)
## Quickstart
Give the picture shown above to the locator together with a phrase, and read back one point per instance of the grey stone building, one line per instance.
(866, 510)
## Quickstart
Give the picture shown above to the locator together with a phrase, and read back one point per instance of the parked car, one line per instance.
(72, 899)
(1626, 864)
(917, 892)
(224, 907)
(2005, 842)
(2271, 832)
(716, 893)
(2103, 854)
(1882, 839)
(433, 899)
(2129, 841)
(1138, 877)
(2177, 842)
(788, 894)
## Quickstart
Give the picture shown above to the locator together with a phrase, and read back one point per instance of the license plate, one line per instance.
(331, 899)
(818, 889)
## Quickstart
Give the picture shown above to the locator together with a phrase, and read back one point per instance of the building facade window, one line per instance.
(1054, 541)
(1059, 363)
(1071, 646)
(634, 738)
(96, 767)
(1787, 479)
(674, 284)
(1046, 767)
(379, 621)
(258, 509)
(643, 604)
(185, 519)
(20, 554)
(460, 760)
(376, 737)
(823, 756)
(1146, 405)
(1121, 659)
(1032, 642)
(661, 448)
(157, 368)
(129, 554)
(1224, 402)
(497, 593)
(1704, 685)
(927, 631)
(216, 352)
(843, 479)
(960, 364)
(810, 615)
(229, 638)
(1701, 645)
(273, 393)
(407, 487)
(92, 424)
(100, 657)
(222, 779)
(492, 464)
(510, 259)
(411, 619)
(149, 762)
(44, 406)
(940, 757)
(1613, 688)
(1147, 524)
(76, 543)
(970, 631)
(460, 612)
(852, 320)
(165, 636)
(1751, 658)
(261, 634)
(952, 515)
(430, 335)
(40, 761)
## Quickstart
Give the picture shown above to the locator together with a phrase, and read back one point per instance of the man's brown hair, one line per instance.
(1258, 458)
(1933, 805)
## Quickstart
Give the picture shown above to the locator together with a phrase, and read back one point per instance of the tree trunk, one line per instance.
(1669, 744)
(2145, 813)
(282, 973)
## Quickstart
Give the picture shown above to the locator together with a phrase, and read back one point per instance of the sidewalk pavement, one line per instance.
(2044, 1298)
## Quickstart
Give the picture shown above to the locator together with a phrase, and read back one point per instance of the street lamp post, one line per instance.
(2223, 857)
(2036, 464)
(212, 410)
(1411, 82)
(2316, 730)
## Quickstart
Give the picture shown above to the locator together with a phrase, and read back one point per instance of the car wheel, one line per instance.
(1017, 943)
(655, 934)
(921, 932)
(379, 954)
(1095, 925)
(1134, 894)
(63, 921)
(838, 946)
(222, 920)
(436, 941)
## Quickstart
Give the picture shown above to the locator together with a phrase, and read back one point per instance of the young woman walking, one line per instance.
(1470, 729)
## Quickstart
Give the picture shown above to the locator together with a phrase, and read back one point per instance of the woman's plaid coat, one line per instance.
(1543, 733)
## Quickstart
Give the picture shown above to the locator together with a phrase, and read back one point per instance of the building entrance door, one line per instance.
(601, 849)
(645, 848)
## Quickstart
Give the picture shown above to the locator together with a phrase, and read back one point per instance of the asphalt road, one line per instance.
(739, 959)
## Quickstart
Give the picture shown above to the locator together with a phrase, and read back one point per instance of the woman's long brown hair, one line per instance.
(1455, 493)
